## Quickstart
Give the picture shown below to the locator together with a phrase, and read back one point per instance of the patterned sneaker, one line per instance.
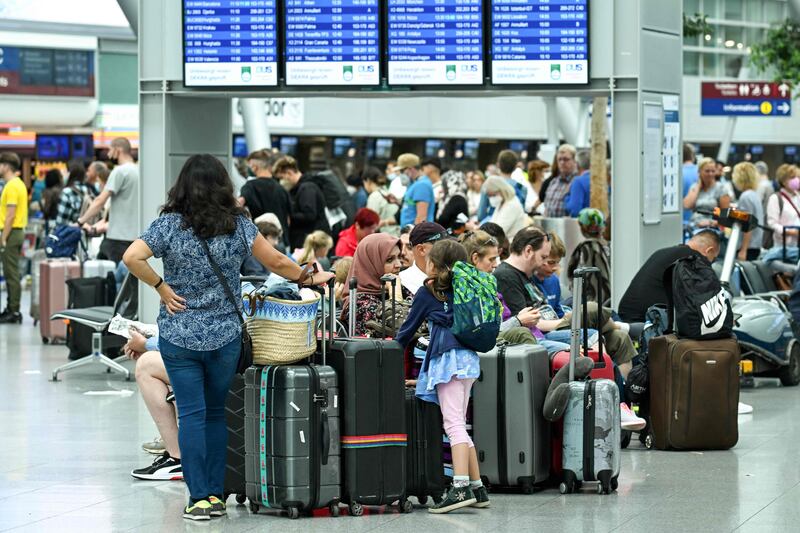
(217, 506)
(454, 498)
(481, 497)
(155, 446)
(199, 511)
(629, 421)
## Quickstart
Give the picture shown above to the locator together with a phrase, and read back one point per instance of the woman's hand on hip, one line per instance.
(171, 301)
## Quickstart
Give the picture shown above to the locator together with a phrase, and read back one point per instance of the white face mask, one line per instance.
(405, 180)
(495, 201)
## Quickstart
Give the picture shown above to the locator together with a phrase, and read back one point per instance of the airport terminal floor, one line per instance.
(66, 467)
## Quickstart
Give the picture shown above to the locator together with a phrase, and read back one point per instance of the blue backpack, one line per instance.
(63, 241)
(477, 312)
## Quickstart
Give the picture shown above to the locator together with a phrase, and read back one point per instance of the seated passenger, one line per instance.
(366, 223)
(615, 334)
(706, 194)
(377, 255)
(315, 248)
(273, 234)
(647, 286)
(482, 252)
(153, 382)
(592, 252)
(502, 241)
(422, 238)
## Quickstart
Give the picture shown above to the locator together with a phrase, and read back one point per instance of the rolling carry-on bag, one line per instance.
(235, 482)
(39, 256)
(424, 454)
(372, 380)
(694, 393)
(591, 425)
(54, 296)
(292, 448)
(511, 435)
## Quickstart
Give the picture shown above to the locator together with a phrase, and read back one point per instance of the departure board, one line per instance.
(435, 42)
(332, 42)
(538, 42)
(230, 43)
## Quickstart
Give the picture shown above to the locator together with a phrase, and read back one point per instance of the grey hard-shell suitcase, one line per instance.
(512, 438)
(292, 437)
(591, 444)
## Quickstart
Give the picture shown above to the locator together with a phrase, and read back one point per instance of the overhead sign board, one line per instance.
(45, 71)
(747, 98)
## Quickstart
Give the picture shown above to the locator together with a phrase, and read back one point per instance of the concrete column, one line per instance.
(256, 130)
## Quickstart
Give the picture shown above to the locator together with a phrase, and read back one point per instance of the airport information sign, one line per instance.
(332, 42)
(435, 42)
(746, 99)
(230, 43)
(539, 42)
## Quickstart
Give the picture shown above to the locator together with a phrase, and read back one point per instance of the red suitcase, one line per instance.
(54, 296)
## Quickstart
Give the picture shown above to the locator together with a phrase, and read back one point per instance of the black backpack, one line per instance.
(334, 192)
(699, 308)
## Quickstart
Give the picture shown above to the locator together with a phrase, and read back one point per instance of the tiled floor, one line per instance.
(67, 457)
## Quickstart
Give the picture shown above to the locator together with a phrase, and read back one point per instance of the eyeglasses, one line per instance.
(432, 238)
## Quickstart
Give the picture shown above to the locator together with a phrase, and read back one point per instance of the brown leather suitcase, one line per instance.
(694, 393)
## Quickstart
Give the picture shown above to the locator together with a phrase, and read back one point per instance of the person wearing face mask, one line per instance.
(377, 254)
(123, 213)
(706, 194)
(264, 194)
(419, 200)
(508, 212)
(783, 207)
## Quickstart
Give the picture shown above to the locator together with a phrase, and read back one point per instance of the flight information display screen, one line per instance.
(536, 42)
(230, 43)
(332, 42)
(435, 42)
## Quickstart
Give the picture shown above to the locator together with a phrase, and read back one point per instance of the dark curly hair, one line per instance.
(203, 195)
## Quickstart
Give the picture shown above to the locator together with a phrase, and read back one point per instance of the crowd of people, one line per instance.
(415, 221)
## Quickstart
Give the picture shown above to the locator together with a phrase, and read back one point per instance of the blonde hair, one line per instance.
(705, 162)
(557, 248)
(567, 149)
(745, 176)
(499, 185)
(342, 268)
(314, 241)
(478, 242)
(784, 173)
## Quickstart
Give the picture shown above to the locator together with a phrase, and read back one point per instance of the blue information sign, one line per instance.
(540, 42)
(229, 43)
(745, 98)
(332, 42)
(435, 42)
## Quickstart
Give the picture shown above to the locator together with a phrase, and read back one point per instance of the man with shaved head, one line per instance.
(123, 214)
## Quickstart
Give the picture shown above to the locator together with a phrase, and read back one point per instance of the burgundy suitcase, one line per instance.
(54, 296)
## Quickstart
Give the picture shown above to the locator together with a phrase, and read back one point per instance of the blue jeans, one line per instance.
(201, 381)
(553, 347)
(565, 335)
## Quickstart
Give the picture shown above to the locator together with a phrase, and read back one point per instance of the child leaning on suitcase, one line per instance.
(448, 372)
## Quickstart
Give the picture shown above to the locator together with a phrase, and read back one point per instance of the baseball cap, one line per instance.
(406, 161)
(427, 232)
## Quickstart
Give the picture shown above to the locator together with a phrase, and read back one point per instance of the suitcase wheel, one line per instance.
(334, 509)
(45, 340)
(254, 508)
(423, 500)
(563, 488)
(356, 509)
(294, 513)
(406, 506)
(648, 441)
(241, 498)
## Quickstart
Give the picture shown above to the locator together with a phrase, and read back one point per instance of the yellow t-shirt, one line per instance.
(15, 193)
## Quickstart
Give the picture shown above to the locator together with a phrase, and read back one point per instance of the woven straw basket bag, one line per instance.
(283, 331)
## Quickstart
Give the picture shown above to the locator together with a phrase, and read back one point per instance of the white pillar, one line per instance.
(254, 117)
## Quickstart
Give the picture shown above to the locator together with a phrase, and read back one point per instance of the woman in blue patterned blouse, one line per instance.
(200, 334)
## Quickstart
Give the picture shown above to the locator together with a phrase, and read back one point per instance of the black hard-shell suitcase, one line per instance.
(234, 417)
(371, 376)
(292, 437)
(424, 454)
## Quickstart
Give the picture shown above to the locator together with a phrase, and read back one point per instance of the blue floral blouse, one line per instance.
(209, 321)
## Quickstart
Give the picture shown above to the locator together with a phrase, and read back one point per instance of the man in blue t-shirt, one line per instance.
(418, 202)
(689, 176)
(579, 195)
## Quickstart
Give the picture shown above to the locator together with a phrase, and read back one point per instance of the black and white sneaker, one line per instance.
(454, 498)
(164, 468)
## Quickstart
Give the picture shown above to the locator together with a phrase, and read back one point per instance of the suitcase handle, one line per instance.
(580, 318)
(390, 278)
(327, 336)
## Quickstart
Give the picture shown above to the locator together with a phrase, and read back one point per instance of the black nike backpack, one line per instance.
(698, 308)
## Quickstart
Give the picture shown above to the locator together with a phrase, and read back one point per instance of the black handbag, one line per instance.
(246, 354)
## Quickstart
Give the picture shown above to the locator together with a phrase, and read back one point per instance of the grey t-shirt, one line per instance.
(123, 216)
(750, 201)
(707, 200)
